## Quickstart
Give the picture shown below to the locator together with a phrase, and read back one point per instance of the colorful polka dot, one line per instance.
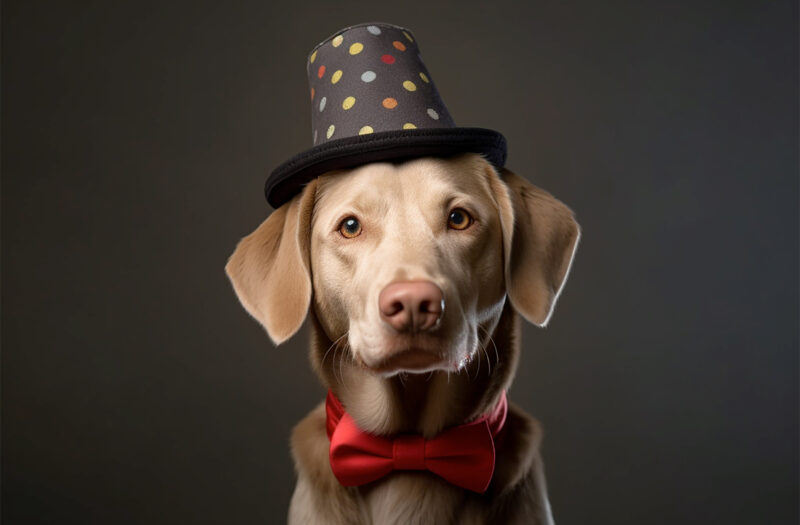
(391, 47)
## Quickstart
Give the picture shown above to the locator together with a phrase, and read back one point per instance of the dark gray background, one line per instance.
(136, 139)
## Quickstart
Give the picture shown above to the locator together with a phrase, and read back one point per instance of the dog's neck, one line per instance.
(419, 403)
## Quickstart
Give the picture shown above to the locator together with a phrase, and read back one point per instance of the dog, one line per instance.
(412, 275)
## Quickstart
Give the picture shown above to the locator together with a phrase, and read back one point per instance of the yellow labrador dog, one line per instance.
(412, 275)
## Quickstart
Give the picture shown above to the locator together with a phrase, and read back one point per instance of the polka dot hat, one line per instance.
(373, 99)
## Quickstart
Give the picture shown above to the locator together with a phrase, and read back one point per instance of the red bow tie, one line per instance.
(462, 455)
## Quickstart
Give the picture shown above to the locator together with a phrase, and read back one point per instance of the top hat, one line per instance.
(373, 99)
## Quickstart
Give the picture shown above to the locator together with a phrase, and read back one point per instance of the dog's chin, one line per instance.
(415, 355)
(411, 360)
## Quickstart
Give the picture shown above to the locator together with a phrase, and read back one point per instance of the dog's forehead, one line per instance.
(415, 182)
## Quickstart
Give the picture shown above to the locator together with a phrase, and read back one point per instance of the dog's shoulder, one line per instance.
(318, 497)
(518, 450)
(519, 490)
(310, 445)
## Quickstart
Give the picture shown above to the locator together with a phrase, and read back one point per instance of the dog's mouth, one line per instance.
(412, 359)
(416, 354)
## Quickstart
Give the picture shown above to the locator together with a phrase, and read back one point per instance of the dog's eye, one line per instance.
(459, 219)
(350, 227)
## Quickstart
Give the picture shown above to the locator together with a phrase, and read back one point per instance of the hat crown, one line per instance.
(371, 78)
(373, 100)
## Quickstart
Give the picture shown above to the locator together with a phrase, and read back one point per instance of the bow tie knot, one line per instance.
(462, 455)
(408, 452)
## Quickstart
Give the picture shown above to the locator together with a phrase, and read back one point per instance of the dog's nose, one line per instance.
(411, 305)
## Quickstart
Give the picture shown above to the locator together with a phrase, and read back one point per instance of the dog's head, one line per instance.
(409, 264)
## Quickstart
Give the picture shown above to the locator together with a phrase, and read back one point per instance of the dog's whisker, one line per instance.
(488, 360)
(479, 357)
(345, 352)
(341, 367)
(494, 345)
(478, 369)
(328, 351)
(351, 360)
(333, 362)
(333, 345)
(336, 347)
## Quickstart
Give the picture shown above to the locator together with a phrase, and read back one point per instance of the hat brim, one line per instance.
(288, 179)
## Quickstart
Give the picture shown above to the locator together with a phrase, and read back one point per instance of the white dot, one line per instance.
(432, 114)
(375, 30)
(368, 76)
(325, 99)
(315, 136)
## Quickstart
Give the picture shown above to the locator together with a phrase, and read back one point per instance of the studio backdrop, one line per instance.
(136, 139)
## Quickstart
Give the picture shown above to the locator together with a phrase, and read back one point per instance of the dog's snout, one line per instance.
(411, 305)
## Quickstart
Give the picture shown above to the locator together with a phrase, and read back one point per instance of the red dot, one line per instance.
(387, 59)
(321, 71)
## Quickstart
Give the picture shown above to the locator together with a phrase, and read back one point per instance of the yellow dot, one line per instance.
(336, 76)
(348, 102)
(313, 57)
(329, 133)
(408, 36)
(337, 41)
(409, 125)
(365, 130)
(356, 48)
(409, 85)
(424, 77)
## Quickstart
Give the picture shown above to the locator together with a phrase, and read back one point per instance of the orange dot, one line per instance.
(399, 45)
(312, 93)
(321, 71)
(389, 103)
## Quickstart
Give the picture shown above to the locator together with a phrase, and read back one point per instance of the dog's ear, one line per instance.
(540, 236)
(270, 268)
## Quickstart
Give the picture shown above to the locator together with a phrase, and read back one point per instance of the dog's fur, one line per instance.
(297, 264)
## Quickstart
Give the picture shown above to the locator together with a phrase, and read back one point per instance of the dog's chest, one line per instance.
(419, 498)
